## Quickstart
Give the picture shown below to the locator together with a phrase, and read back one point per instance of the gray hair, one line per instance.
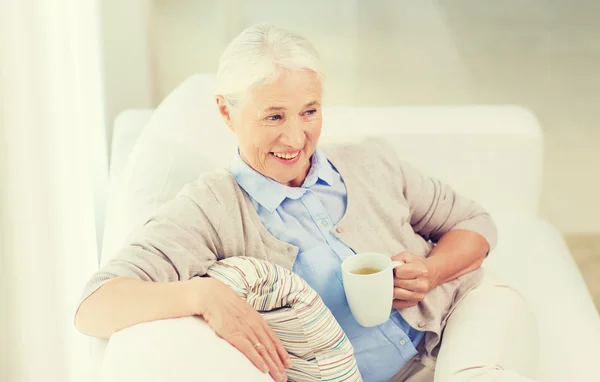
(257, 56)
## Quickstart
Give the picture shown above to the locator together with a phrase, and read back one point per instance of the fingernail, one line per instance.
(289, 363)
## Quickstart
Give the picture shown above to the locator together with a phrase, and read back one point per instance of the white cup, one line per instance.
(369, 296)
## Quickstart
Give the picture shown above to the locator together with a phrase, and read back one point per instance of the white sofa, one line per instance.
(492, 153)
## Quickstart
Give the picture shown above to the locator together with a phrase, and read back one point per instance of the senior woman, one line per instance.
(288, 201)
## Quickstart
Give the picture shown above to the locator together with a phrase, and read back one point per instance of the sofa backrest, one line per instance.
(490, 153)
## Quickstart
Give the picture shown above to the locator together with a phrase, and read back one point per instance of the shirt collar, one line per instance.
(320, 169)
(269, 193)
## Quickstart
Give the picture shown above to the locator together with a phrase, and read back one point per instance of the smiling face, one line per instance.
(278, 126)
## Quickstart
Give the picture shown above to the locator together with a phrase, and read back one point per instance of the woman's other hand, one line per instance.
(412, 281)
(234, 320)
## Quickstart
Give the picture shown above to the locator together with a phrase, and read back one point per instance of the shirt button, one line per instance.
(324, 223)
(339, 230)
(422, 324)
(402, 342)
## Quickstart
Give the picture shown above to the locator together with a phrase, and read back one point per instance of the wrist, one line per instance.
(198, 291)
(434, 271)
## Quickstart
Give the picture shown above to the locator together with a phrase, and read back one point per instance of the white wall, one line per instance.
(404, 42)
(128, 78)
(153, 45)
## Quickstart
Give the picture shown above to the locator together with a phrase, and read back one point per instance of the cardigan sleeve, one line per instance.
(177, 243)
(436, 208)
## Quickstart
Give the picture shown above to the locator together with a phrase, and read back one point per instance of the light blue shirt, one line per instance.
(305, 217)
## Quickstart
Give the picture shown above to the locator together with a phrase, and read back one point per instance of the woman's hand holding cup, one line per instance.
(412, 281)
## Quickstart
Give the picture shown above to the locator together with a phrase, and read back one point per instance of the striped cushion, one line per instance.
(309, 332)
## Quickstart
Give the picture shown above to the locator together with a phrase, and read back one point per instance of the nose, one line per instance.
(293, 135)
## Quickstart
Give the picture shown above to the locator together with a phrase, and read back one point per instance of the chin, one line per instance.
(286, 177)
(285, 180)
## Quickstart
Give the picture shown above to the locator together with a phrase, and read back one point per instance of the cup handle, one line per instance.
(395, 264)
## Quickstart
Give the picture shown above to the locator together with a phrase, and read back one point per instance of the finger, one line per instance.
(269, 348)
(399, 304)
(402, 256)
(279, 348)
(410, 271)
(244, 345)
(261, 346)
(407, 295)
(415, 285)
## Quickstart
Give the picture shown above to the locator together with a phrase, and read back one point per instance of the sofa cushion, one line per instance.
(314, 340)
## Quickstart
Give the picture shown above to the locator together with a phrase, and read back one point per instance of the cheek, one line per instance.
(260, 138)
(265, 139)
(314, 131)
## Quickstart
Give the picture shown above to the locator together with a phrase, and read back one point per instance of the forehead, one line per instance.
(290, 89)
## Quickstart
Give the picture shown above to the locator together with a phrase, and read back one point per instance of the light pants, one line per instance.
(491, 336)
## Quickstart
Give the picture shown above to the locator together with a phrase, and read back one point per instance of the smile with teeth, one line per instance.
(286, 155)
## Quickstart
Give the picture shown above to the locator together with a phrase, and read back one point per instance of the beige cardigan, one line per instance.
(391, 208)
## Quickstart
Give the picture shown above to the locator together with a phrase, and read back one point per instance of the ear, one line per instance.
(224, 111)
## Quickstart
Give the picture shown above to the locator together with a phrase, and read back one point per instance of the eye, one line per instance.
(310, 112)
(275, 117)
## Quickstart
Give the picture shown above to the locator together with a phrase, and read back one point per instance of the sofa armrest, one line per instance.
(182, 349)
(532, 256)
